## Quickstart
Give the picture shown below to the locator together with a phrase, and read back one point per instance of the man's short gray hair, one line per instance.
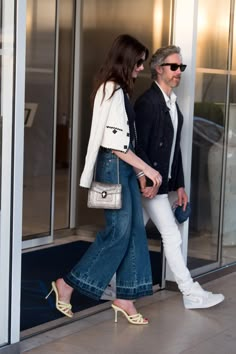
(159, 57)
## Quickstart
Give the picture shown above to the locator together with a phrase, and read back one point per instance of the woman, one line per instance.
(121, 247)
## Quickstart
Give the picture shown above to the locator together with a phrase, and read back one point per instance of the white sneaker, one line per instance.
(109, 294)
(200, 298)
(110, 291)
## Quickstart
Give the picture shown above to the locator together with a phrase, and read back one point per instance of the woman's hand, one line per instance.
(153, 175)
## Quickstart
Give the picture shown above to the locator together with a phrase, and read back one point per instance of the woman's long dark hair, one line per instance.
(119, 64)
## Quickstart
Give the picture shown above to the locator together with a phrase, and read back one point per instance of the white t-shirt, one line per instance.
(171, 104)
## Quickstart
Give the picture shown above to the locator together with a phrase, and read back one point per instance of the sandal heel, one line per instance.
(116, 317)
(136, 319)
(48, 294)
(60, 305)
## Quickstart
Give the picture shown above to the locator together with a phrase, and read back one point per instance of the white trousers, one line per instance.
(159, 211)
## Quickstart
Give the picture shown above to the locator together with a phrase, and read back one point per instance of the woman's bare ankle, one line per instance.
(64, 290)
(126, 305)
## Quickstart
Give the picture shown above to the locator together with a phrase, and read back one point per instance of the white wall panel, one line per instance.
(184, 35)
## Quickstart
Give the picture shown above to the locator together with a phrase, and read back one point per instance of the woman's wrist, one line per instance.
(144, 169)
(140, 174)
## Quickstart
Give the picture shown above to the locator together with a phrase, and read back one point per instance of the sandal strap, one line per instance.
(137, 317)
(64, 305)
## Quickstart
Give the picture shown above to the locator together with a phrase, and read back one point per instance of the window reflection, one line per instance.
(213, 33)
(207, 164)
(64, 113)
(234, 41)
(39, 130)
(229, 223)
(0, 24)
(214, 149)
(0, 133)
(38, 138)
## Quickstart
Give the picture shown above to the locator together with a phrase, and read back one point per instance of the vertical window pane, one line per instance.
(207, 155)
(0, 135)
(2, 326)
(229, 225)
(39, 105)
(209, 131)
(234, 41)
(213, 33)
(1, 24)
(0, 103)
(64, 114)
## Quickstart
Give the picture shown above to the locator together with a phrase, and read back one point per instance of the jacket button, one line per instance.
(161, 143)
(155, 164)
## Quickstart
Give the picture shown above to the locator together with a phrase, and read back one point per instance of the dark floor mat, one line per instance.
(40, 267)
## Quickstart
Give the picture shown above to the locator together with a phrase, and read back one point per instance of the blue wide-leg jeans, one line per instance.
(121, 247)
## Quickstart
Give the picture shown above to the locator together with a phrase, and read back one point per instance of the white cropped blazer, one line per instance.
(110, 128)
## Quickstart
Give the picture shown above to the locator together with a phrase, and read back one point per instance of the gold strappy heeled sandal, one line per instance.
(136, 319)
(61, 306)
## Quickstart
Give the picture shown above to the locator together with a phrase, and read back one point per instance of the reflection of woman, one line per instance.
(121, 247)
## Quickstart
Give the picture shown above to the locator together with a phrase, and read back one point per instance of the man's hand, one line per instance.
(182, 198)
(150, 192)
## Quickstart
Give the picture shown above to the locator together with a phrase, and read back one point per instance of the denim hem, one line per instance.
(125, 296)
(134, 293)
(84, 288)
(126, 293)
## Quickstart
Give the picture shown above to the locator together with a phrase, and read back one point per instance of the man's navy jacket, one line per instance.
(155, 135)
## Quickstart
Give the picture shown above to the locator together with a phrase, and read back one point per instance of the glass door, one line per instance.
(48, 119)
(65, 107)
(40, 95)
(229, 221)
(210, 134)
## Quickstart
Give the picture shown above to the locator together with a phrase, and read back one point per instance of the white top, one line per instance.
(171, 104)
(110, 128)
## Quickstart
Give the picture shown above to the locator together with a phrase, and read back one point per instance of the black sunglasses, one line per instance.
(174, 66)
(140, 62)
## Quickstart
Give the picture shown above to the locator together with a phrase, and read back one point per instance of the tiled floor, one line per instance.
(172, 329)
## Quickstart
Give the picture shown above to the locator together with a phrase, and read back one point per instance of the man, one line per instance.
(159, 123)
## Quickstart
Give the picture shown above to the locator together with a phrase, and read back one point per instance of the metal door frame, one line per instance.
(13, 86)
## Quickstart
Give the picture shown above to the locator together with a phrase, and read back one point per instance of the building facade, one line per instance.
(50, 51)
